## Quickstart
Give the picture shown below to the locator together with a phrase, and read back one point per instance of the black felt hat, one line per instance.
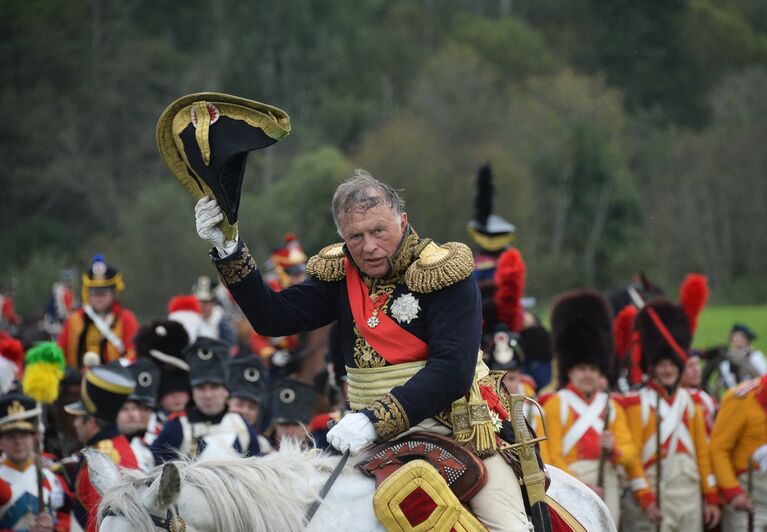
(205, 138)
(207, 359)
(147, 377)
(103, 391)
(247, 378)
(293, 401)
(581, 323)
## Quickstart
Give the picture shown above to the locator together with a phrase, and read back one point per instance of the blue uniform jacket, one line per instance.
(167, 444)
(449, 322)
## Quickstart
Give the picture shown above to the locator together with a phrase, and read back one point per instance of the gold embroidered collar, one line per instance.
(409, 248)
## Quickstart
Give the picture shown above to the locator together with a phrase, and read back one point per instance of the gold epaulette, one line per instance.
(328, 264)
(438, 267)
(107, 447)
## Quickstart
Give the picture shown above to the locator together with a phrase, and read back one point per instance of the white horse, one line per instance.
(269, 493)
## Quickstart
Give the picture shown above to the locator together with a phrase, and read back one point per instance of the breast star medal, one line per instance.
(405, 308)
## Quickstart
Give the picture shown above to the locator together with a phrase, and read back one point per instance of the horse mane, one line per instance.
(259, 493)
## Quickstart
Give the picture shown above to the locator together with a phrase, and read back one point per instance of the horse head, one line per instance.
(132, 502)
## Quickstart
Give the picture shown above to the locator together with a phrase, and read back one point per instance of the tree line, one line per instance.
(623, 137)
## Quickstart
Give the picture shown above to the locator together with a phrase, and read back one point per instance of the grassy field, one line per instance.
(715, 323)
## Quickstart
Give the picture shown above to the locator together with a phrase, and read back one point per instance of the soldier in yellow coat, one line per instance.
(740, 435)
(587, 429)
(685, 469)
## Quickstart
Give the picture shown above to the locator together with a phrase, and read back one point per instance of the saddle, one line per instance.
(463, 471)
(413, 475)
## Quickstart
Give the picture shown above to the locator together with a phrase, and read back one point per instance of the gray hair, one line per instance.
(363, 192)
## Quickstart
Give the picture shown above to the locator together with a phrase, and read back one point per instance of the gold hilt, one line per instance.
(533, 478)
(517, 405)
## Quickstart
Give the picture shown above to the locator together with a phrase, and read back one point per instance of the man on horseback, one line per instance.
(409, 318)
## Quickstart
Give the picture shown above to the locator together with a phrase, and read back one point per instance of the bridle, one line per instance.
(172, 522)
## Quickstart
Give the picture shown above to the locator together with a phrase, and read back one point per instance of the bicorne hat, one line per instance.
(205, 138)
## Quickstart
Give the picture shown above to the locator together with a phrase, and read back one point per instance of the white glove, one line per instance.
(208, 214)
(352, 433)
(760, 458)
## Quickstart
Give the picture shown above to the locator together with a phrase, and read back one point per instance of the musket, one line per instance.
(40, 480)
(39, 461)
(604, 453)
(658, 456)
(750, 487)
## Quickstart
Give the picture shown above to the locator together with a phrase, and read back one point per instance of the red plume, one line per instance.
(182, 302)
(623, 330)
(693, 297)
(12, 349)
(510, 285)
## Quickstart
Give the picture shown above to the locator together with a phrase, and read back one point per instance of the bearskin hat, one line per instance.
(581, 323)
(163, 341)
(536, 343)
(655, 346)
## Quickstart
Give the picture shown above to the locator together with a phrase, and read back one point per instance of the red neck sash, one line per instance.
(392, 342)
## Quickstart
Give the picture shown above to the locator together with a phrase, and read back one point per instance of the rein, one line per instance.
(326, 488)
(172, 522)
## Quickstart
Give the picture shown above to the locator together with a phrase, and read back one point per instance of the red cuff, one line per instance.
(615, 454)
(730, 493)
(645, 499)
(713, 498)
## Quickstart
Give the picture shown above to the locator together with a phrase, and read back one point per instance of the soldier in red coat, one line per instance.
(103, 392)
(102, 325)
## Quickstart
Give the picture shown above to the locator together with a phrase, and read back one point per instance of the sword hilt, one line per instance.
(532, 476)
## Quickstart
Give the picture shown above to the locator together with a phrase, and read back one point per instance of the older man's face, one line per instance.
(373, 237)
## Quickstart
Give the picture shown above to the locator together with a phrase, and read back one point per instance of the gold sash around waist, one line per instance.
(368, 384)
